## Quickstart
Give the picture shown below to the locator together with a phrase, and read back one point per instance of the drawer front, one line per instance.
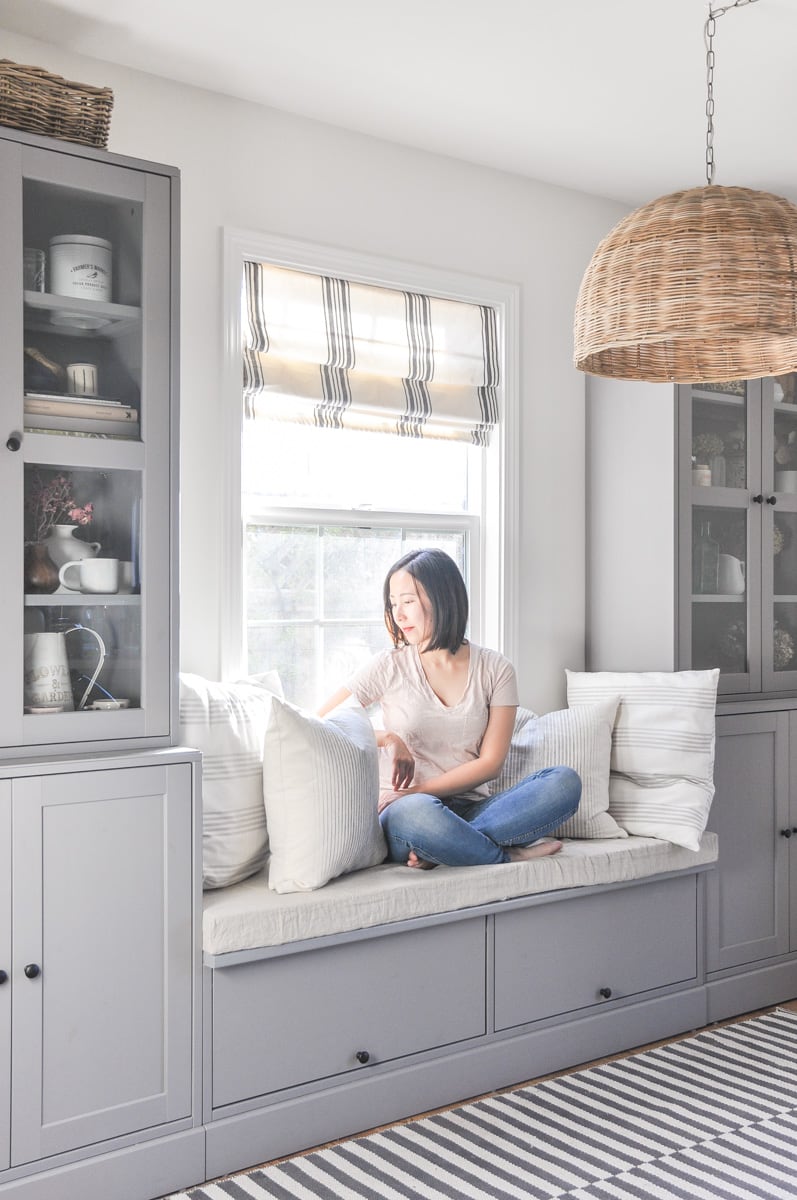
(557, 957)
(287, 1021)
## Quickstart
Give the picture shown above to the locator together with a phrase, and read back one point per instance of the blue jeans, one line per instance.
(459, 832)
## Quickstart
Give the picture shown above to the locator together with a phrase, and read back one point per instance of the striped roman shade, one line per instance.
(334, 353)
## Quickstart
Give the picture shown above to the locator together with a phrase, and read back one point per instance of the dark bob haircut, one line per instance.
(439, 576)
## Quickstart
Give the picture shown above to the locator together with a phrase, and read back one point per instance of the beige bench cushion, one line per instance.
(249, 915)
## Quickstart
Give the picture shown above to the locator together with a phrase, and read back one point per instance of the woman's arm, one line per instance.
(492, 754)
(335, 700)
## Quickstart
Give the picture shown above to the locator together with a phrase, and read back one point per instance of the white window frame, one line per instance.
(498, 556)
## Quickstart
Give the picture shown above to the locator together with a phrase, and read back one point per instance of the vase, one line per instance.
(63, 546)
(40, 572)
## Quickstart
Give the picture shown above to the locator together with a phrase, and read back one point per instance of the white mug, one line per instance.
(97, 575)
(81, 379)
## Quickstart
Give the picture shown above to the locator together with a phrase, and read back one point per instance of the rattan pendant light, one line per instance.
(699, 286)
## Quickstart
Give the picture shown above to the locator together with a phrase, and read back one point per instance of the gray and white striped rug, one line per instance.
(713, 1116)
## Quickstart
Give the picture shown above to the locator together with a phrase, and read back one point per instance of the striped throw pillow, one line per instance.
(580, 738)
(227, 722)
(662, 767)
(321, 787)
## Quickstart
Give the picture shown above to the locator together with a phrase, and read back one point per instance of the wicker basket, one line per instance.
(38, 102)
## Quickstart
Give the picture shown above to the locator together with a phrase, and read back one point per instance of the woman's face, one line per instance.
(411, 609)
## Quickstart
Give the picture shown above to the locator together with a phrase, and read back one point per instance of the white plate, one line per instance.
(72, 320)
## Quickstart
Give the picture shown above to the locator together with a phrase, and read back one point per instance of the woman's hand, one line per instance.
(403, 762)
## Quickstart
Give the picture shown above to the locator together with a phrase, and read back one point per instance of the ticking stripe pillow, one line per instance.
(580, 738)
(662, 766)
(227, 722)
(321, 788)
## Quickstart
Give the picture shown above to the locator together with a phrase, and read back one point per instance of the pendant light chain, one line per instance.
(710, 30)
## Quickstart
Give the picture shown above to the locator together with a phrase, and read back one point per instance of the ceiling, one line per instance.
(607, 96)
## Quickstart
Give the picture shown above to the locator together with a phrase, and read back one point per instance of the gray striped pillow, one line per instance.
(579, 738)
(227, 722)
(662, 769)
(320, 787)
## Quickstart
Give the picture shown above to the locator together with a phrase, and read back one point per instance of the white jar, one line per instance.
(80, 266)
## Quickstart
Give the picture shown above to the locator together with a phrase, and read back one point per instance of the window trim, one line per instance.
(501, 464)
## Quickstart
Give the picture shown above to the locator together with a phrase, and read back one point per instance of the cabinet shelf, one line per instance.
(73, 317)
(719, 598)
(81, 599)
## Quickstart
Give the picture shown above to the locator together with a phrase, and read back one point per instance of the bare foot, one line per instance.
(419, 863)
(539, 849)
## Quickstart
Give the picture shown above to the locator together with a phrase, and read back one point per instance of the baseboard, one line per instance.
(753, 989)
(288, 1127)
(140, 1172)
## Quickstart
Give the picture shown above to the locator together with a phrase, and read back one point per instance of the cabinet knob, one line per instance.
(759, 499)
(3, 976)
(363, 1056)
(32, 970)
(606, 993)
(14, 441)
(786, 832)
(772, 499)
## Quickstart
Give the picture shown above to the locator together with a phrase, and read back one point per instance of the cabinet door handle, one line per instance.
(772, 500)
(32, 970)
(606, 993)
(759, 499)
(787, 832)
(3, 976)
(363, 1056)
(14, 441)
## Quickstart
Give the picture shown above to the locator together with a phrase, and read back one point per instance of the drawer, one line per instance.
(556, 958)
(286, 1021)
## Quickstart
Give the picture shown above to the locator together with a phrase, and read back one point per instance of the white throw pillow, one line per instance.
(662, 779)
(227, 722)
(321, 788)
(580, 738)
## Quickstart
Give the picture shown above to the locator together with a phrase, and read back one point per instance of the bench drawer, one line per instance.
(556, 958)
(303, 1017)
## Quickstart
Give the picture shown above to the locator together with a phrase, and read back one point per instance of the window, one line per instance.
(325, 511)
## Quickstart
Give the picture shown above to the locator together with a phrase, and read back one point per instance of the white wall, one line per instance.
(256, 168)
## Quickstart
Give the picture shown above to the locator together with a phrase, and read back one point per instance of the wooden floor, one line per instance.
(789, 1004)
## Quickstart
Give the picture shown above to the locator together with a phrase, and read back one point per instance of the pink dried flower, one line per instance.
(51, 501)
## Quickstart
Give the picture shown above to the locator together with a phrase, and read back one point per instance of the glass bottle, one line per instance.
(705, 562)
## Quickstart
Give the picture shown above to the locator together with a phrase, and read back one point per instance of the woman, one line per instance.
(448, 709)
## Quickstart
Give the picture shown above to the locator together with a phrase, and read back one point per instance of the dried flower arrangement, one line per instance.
(51, 501)
(706, 446)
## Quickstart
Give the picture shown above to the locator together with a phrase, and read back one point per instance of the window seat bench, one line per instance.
(390, 992)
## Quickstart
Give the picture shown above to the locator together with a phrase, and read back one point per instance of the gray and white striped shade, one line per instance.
(334, 353)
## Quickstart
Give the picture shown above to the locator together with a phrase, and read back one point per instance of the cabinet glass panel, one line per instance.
(82, 312)
(719, 435)
(719, 589)
(82, 602)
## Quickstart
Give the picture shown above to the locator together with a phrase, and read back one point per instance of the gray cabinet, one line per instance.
(737, 455)
(5, 971)
(748, 897)
(692, 563)
(89, 447)
(101, 978)
(381, 1001)
(538, 975)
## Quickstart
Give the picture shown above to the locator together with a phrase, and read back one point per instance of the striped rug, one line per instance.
(713, 1116)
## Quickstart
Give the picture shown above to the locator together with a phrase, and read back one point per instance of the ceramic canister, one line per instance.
(80, 266)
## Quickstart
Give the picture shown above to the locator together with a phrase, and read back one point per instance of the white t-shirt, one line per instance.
(439, 736)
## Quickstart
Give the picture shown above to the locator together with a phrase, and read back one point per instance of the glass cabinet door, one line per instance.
(86, 371)
(779, 541)
(720, 568)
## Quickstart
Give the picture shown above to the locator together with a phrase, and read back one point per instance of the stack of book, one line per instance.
(80, 414)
